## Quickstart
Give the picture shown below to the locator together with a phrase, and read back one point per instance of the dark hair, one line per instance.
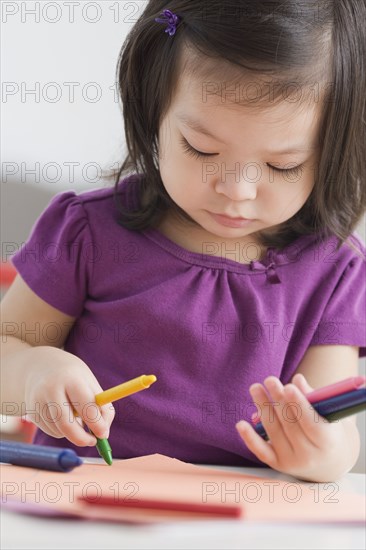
(297, 44)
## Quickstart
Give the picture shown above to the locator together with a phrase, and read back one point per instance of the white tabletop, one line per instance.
(20, 531)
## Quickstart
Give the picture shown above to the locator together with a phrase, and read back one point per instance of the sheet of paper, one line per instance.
(162, 478)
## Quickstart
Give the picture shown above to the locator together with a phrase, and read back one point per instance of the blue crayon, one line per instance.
(332, 406)
(37, 456)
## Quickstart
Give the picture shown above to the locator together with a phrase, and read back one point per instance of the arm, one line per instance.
(36, 372)
(305, 445)
(25, 335)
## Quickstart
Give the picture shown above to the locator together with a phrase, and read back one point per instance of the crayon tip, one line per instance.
(69, 460)
(104, 450)
(108, 458)
(148, 379)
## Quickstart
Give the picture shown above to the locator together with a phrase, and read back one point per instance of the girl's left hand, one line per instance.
(301, 442)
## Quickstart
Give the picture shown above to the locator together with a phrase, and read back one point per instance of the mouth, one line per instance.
(230, 221)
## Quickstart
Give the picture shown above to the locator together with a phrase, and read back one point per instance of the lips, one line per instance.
(230, 221)
(232, 217)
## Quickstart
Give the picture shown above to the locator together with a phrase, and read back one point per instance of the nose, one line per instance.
(237, 186)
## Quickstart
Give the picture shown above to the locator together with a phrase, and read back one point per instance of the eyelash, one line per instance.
(189, 150)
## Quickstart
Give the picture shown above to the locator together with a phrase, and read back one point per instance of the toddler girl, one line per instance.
(224, 260)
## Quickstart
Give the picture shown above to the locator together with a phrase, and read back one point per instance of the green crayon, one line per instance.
(104, 449)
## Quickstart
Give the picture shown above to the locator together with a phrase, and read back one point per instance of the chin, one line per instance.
(229, 232)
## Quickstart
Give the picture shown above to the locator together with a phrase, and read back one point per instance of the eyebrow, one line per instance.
(198, 127)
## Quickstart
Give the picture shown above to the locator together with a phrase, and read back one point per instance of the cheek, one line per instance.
(287, 199)
(175, 181)
(174, 162)
(306, 186)
(181, 175)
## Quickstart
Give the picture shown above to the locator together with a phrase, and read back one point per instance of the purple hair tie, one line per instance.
(170, 19)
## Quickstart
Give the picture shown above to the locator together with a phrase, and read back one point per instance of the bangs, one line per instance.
(258, 87)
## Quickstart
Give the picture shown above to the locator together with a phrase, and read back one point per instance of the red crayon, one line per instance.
(152, 504)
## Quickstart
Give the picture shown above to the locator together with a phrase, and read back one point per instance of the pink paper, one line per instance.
(162, 478)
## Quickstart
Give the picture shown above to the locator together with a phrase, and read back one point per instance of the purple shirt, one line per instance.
(207, 327)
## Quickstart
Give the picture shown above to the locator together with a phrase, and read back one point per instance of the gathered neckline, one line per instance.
(273, 257)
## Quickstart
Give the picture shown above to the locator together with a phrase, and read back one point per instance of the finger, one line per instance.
(49, 429)
(270, 405)
(307, 419)
(262, 450)
(44, 420)
(292, 412)
(83, 401)
(300, 382)
(288, 411)
(63, 419)
(262, 401)
(108, 413)
(276, 430)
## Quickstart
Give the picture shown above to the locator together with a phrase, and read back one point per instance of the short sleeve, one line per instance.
(344, 319)
(57, 259)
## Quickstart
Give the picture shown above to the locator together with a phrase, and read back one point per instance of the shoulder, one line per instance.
(315, 268)
(105, 198)
(326, 254)
(94, 206)
(334, 273)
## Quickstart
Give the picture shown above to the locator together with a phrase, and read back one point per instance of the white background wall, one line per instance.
(46, 46)
(51, 127)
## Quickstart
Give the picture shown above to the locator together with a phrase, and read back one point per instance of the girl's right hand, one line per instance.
(57, 383)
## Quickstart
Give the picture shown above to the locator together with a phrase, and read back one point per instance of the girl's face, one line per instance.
(237, 171)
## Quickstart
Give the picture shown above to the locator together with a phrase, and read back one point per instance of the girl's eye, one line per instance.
(198, 154)
(289, 171)
(193, 152)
